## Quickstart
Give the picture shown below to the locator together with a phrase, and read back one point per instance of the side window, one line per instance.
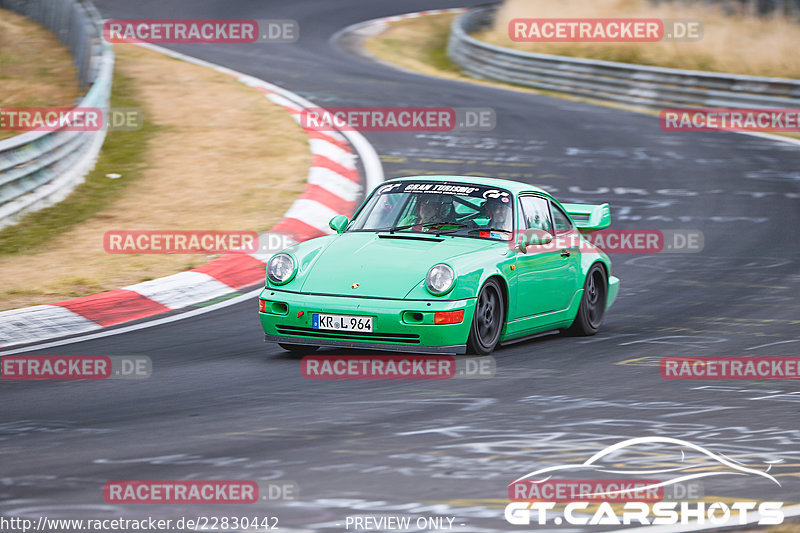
(535, 213)
(561, 221)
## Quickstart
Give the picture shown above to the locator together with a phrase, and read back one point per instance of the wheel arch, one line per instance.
(504, 287)
(475, 343)
(589, 260)
(585, 274)
(603, 265)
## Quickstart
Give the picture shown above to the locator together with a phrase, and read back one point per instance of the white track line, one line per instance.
(135, 327)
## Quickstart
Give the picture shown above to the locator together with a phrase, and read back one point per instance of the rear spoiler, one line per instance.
(589, 217)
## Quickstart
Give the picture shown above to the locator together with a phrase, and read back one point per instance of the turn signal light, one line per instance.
(448, 317)
(262, 306)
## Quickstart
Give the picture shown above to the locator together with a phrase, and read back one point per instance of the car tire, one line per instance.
(593, 303)
(298, 349)
(488, 319)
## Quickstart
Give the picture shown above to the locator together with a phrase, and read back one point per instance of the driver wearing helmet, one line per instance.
(431, 213)
(499, 212)
(428, 210)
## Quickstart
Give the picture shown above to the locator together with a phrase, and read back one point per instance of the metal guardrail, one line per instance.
(624, 83)
(39, 168)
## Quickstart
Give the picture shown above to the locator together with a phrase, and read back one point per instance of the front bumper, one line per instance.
(397, 325)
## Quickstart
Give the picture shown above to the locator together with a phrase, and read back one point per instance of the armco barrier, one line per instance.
(39, 168)
(622, 83)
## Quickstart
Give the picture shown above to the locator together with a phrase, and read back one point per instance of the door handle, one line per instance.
(565, 253)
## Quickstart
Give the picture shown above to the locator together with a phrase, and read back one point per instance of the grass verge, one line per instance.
(123, 153)
(213, 154)
(35, 68)
(733, 42)
(420, 45)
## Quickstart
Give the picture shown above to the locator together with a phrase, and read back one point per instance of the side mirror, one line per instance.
(532, 237)
(540, 238)
(339, 223)
(521, 246)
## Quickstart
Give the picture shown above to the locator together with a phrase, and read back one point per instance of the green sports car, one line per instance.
(442, 264)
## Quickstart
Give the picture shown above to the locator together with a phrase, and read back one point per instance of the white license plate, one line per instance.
(341, 322)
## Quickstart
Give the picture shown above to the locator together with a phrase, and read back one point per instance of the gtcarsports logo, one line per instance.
(717, 513)
(642, 500)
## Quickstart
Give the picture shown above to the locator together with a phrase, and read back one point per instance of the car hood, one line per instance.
(384, 265)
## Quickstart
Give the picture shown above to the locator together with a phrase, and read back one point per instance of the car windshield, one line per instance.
(442, 208)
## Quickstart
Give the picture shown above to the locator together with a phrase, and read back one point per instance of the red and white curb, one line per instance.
(332, 188)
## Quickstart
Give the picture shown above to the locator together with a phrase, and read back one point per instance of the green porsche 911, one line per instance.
(442, 264)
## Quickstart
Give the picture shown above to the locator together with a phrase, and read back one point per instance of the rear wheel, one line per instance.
(487, 322)
(593, 303)
(298, 349)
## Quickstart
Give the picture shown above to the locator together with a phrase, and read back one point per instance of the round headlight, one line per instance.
(440, 278)
(280, 268)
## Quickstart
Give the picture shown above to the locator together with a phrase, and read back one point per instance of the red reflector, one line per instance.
(484, 234)
(448, 317)
(262, 306)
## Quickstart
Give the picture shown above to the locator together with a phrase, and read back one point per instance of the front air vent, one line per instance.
(403, 338)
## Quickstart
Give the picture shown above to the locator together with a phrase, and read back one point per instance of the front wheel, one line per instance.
(593, 303)
(487, 322)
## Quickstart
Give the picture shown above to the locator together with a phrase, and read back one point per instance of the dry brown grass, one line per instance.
(734, 43)
(35, 68)
(419, 44)
(223, 157)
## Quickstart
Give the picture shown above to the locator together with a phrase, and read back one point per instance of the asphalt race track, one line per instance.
(221, 404)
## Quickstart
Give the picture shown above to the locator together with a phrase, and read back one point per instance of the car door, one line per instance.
(545, 276)
(568, 241)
